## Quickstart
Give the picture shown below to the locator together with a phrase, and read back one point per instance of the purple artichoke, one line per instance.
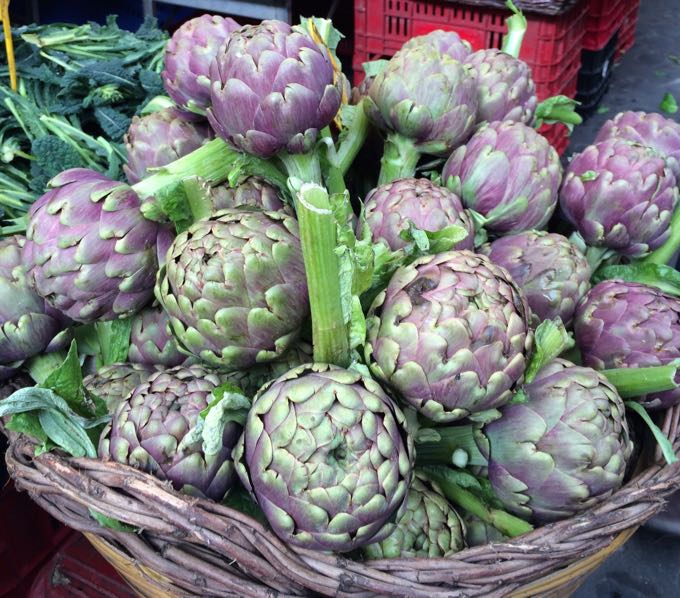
(28, 325)
(450, 335)
(446, 43)
(388, 209)
(564, 449)
(426, 97)
(273, 88)
(326, 455)
(235, 288)
(162, 137)
(253, 192)
(550, 270)
(654, 130)
(151, 342)
(188, 56)
(628, 325)
(113, 383)
(89, 251)
(505, 88)
(509, 174)
(150, 431)
(621, 196)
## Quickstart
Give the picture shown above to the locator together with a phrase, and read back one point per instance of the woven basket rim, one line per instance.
(210, 549)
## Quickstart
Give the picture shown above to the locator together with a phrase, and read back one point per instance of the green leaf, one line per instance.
(111, 523)
(661, 276)
(558, 109)
(67, 382)
(239, 500)
(66, 433)
(114, 340)
(669, 105)
(602, 109)
(174, 203)
(357, 326)
(551, 339)
(665, 444)
(28, 424)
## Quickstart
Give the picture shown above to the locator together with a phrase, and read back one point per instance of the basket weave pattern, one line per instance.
(206, 549)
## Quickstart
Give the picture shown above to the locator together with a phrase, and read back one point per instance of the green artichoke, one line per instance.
(113, 383)
(326, 455)
(562, 450)
(234, 288)
(151, 342)
(446, 43)
(429, 527)
(150, 429)
(450, 335)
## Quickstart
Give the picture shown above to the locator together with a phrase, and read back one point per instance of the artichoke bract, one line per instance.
(561, 451)
(188, 56)
(28, 325)
(151, 342)
(509, 174)
(253, 192)
(89, 250)
(162, 137)
(621, 196)
(113, 383)
(326, 455)
(426, 97)
(429, 527)
(388, 208)
(651, 129)
(446, 43)
(628, 325)
(148, 429)
(234, 287)
(505, 88)
(479, 533)
(450, 334)
(551, 271)
(273, 88)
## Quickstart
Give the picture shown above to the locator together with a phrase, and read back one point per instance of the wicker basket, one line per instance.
(193, 547)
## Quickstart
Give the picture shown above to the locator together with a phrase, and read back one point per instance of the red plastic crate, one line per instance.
(627, 32)
(382, 27)
(557, 135)
(603, 19)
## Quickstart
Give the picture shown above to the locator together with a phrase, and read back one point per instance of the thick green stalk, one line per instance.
(399, 160)
(305, 167)
(318, 238)
(636, 382)
(517, 27)
(665, 253)
(451, 439)
(507, 524)
(354, 139)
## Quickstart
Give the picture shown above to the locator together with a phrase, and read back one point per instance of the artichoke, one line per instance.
(654, 130)
(450, 335)
(89, 251)
(149, 431)
(426, 97)
(273, 88)
(28, 325)
(234, 288)
(429, 527)
(253, 192)
(326, 455)
(550, 270)
(621, 196)
(113, 383)
(151, 342)
(388, 209)
(628, 325)
(509, 174)
(446, 43)
(505, 88)
(188, 56)
(162, 137)
(562, 450)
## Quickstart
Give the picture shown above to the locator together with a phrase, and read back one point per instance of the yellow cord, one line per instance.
(9, 44)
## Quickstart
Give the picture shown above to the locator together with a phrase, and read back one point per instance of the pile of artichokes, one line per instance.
(357, 364)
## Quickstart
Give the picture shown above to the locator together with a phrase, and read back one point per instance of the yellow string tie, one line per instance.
(9, 44)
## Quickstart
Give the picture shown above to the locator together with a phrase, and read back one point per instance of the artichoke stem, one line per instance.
(318, 239)
(399, 160)
(442, 451)
(505, 523)
(305, 167)
(517, 27)
(354, 139)
(636, 382)
(665, 253)
(41, 366)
